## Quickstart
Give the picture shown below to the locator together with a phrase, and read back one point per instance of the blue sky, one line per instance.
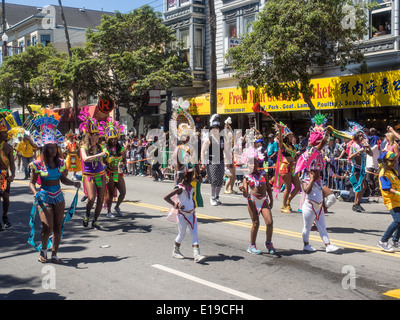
(106, 5)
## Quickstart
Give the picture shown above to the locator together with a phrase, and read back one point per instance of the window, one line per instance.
(184, 2)
(171, 4)
(45, 39)
(238, 22)
(248, 24)
(34, 40)
(381, 19)
(198, 44)
(184, 38)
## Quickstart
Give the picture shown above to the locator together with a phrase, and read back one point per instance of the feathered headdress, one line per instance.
(318, 129)
(354, 128)
(89, 124)
(284, 128)
(181, 124)
(215, 121)
(111, 129)
(48, 132)
(251, 154)
(11, 122)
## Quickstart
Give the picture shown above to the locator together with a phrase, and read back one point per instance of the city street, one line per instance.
(130, 258)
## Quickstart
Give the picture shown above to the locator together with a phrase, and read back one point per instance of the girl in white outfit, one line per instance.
(186, 216)
(312, 208)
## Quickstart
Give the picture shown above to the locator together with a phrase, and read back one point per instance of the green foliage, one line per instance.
(290, 38)
(27, 76)
(131, 48)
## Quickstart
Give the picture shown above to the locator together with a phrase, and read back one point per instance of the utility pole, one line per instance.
(213, 57)
(3, 23)
(74, 92)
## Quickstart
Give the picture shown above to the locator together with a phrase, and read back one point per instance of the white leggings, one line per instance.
(310, 214)
(183, 224)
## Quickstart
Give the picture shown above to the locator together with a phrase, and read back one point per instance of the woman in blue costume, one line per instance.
(49, 170)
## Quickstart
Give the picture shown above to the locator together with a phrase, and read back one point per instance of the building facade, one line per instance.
(372, 106)
(29, 25)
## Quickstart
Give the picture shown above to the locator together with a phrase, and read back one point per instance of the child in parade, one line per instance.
(312, 208)
(186, 215)
(389, 183)
(255, 188)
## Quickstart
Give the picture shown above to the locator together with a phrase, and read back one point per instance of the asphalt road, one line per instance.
(130, 258)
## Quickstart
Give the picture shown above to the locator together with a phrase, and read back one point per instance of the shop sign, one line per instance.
(155, 98)
(200, 105)
(359, 91)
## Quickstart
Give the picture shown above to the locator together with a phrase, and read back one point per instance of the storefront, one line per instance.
(371, 99)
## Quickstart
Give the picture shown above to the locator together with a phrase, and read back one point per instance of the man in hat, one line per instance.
(214, 144)
(6, 164)
(272, 153)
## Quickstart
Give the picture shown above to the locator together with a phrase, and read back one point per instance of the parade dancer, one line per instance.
(94, 178)
(185, 153)
(114, 158)
(311, 164)
(49, 200)
(7, 165)
(255, 188)
(389, 183)
(285, 167)
(186, 215)
(358, 148)
(72, 159)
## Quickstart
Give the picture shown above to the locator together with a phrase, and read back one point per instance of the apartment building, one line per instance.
(370, 98)
(28, 25)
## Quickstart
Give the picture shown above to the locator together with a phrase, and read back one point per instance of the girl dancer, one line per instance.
(50, 200)
(72, 158)
(285, 167)
(186, 217)
(389, 183)
(93, 169)
(255, 188)
(312, 208)
(115, 155)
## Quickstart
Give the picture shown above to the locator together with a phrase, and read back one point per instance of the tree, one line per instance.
(291, 38)
(78, 77)
(134, 54)
(22, 76)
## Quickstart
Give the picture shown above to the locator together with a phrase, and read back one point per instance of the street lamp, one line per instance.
(4, 37)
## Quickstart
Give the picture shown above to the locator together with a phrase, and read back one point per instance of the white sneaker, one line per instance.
(177, 254)
(218, 201)
(110, 215)
(331, 248)
(309, 248)
(385, 246)
(198, 258)
(213, 202)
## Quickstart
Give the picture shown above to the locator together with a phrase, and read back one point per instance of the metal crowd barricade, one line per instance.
(334, 174)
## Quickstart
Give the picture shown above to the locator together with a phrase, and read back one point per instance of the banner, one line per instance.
(369, 90)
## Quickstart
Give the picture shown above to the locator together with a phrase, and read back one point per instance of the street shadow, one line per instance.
(29, 294)
(353, 230)
(220, 258)
(212, 220)
(227, 204)
(85, 262)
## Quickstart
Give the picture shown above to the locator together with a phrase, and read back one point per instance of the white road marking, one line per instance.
(206, 283)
